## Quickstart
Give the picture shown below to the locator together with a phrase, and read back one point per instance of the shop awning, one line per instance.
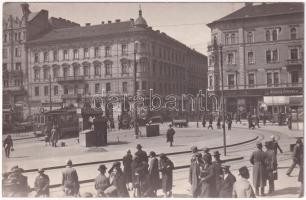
(276, 100)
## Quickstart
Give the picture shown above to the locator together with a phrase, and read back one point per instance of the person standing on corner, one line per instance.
(153, 176)
(258, 159)
(127, 169)
(275, 146)
(271, 166)
(194, 171)
(216, 165)
(8, 145)
(170, 135)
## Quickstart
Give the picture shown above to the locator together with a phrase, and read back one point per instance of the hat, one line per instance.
(152, 153)
(116, 164)
(206, 149)
(102, 167)
(258, 144)
(41, 170)
(268, 144)
(194, 148)
(216, 153)
(16, 169)
(69, 162)
(162, 155)
(299, 140)
(244, 172)
(128, 151)
(138, 146)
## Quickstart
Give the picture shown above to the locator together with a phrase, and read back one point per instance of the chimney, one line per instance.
(102, 22)
(248, 4)
(109, 22)
(87, 24)
(117, 20)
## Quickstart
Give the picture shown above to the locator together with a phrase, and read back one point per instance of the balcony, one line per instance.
(295, 62)
(71, 96)
(13, 73)
(13, 88)
(66, 79)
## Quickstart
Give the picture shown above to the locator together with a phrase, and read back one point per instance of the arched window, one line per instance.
(268, 38)
(274, 35)
(293, 33)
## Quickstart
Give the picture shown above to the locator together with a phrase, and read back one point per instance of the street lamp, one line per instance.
(222, 97)
(135, 90)
(50, 97)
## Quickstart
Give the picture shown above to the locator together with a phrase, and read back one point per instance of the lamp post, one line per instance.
(50, 98)
(135, 92)
(222, 97)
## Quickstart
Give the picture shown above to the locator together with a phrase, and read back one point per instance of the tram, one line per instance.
(65, 119)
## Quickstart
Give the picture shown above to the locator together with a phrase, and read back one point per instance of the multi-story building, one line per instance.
(68, 65)
(262, 58)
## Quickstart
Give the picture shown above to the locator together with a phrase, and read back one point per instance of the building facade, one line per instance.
(69, 65)
(262, 48)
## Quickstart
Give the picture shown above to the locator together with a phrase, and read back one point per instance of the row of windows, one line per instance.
(17, 82)
(272, 78)
(271, 35)
(17, 37)
(17, 66)
(17, 52)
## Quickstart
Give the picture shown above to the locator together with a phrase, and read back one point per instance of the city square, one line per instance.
(122, 109)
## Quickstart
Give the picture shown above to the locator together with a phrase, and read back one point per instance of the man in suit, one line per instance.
(216, 165)
(142, 155)
(41, 184)
(70, 180)
(296, 155)
(242, 187)
(227, 183)
(101, 181)
(258, 159)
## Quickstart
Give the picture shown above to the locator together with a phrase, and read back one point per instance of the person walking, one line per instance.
(194, 171)
(54, 136)
(170, 134)
(257, 121)
(271, 166)
(116, 179)
(41, 184)
(275, 146)
(258, 159)
(70, 180)
(250, 122)
(8, 145)
(127, 169)
(219, 123)
(204, 120)
(229, 123)
(296, 156)
(242, 187)
(210, 123)
(301, 172)
(153, 180)
(166, 168)
(216, 165)
(101, 182)
(227, 183)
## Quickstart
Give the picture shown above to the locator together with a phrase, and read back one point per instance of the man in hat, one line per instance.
(116, 179)
(18, 183)
(8, 145)
(70, 180)
(216, 165)
(153, 182)
(275, 145)
(207, 154)
(54, 136)
(101, 181)
(170, 135)
(242, 187)
(142, 155)
(227, 183)
(296, 156)
(127, 169)
(258, 159)
(166, 168)
(41, 184)
(271, 166)
(194, 171)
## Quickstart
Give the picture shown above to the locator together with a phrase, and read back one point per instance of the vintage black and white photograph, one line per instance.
(153, 99)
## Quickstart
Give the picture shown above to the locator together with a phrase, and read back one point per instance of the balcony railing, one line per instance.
(13, 88)
(294, 62)
(70, 78)
(262, 86)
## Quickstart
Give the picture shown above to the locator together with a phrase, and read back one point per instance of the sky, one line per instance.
(185, 22)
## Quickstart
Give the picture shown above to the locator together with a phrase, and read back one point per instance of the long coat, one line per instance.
(258, 159)
(127, 167)
(170, 134)
(166, 167)
(117, 180)
(271, 164)
(41, 185)
(70, 180)
(153, 175)
(216, 165)
(207, 184)
(17, 185)
(301, 164)
(227, 184)
(194, 175)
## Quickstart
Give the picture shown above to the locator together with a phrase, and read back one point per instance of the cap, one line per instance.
(116, 164)
(216, 153)
(206, 149)
(138, 146)
(194, 148)
(69, 162)
(41, 170)
(152, 153)
(102, 167)
(258, 144)
(162, 155)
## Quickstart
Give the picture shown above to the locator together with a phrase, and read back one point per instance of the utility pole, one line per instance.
(135, 94)
(50, 99)
(222, 96)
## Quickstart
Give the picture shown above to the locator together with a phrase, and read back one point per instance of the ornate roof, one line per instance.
(140, 21)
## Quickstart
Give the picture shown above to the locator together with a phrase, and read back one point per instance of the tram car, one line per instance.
(65, 120)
